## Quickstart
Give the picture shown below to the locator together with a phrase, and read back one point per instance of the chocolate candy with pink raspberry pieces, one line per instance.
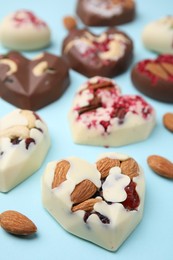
(154, 77)
(102, 116)
(32, 84)
(108, 54)
(105, 13)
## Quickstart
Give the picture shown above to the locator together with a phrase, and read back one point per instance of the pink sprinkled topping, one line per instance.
(92, 52)
(100, 105)
(27, 17)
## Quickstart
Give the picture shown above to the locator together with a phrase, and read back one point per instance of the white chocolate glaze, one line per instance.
(121, 222)
(19, 161)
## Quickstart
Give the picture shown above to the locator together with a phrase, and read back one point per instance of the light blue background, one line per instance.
(153, 238)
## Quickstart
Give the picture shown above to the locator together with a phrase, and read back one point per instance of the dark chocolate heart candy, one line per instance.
(105, 13)
(107, 54)
(32, 84)
(154, 78)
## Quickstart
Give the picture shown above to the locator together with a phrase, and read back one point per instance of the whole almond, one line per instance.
(130, 168)
(83, 191)
(104, 165)
(87, 205)
(69, 22)
(161, 166)
(61, 170)
(16, 223)
(168, 121)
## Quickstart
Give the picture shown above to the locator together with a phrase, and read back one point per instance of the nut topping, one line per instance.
(15, 131)
(130, 168)
(12, 66)
(87, 205)
(94, 104)
(104, 165)
(30, 117)
(168, 67)
(157, 70)
(69, 23)
(83, 191)
(161, 166)
(61, 170)
(101, 85)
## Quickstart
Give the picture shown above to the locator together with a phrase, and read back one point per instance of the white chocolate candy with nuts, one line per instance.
(158, 35)
(22, 30)
(24, 143)
(101, 202)
(100, 115)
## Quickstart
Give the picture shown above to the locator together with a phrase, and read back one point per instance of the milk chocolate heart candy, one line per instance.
(100, 115)
(154, 78)
(22, 30)
(107, 54)
(105, 13)
(158, 35)
(102, 203)
(32, 84)
(24, 143)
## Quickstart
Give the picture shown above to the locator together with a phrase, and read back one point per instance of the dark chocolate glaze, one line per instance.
(96, 67)
(93, 19)
(27, 91)
(161, 90)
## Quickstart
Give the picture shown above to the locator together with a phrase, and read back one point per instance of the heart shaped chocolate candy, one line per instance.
(107, 54)
(32, 84)
(105, 13)
(154, 77)
(101, 202)
(100, 115)
(24, 143)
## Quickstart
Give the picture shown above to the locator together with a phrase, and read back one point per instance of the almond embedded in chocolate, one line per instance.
(157, 70)
(154, 78)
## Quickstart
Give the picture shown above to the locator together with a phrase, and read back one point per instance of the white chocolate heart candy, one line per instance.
(158, 35)
(101, 202)
(24, 143)
(100, 115)
(22, 30)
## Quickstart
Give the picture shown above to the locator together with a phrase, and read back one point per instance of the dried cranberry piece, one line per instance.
(15, 140)
(37, 116)
(105, 124)
(102, 218)
(132, 201)
(86, 216)
(102, 46)
(28, 141)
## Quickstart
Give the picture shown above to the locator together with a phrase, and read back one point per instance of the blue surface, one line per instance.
(153, 238)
